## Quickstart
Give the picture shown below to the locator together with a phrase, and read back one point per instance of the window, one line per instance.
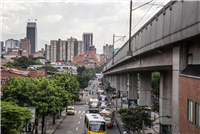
(197, 114)
(190, 110)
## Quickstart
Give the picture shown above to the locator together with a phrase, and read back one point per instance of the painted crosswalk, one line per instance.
(82, 112)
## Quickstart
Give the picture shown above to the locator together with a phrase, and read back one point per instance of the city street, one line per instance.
(74, 124)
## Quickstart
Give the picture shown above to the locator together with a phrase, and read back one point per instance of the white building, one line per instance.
(11, 43)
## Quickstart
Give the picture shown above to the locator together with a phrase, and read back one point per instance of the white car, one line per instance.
(103, 104)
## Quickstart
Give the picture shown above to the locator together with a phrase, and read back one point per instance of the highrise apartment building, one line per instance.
(25, 45)
(48, 52)
(81, 47)
(63, 50)
(108, 52)
(11, 43)
(70, 50)
(31, 34)
(88, 40)
(54, 50)
(1, 45)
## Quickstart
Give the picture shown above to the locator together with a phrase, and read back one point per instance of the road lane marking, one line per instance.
(75, 111)
(83, 111)
(76, 128)
(79, 122)
(79, 112)
(80, 117)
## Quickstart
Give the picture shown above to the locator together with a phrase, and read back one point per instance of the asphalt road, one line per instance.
(74, 124)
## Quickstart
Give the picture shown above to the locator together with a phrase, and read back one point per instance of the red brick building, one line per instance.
(102, 56)
(25, 45)
(6, 72)
(88, 59)
(189, 100)
(17, 52)
(3, 61)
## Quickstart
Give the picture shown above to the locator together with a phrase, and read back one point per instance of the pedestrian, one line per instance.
(125, 132)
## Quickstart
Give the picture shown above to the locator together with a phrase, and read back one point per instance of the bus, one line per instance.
(94, 124)
(93, 105)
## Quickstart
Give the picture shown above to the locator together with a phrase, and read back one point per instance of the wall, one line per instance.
(175, 22)
(189, 89)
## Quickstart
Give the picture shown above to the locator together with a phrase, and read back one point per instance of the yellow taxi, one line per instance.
(70, 110)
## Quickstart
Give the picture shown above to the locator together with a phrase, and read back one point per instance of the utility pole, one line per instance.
(122, 37)
(113, 48)
(129, 52)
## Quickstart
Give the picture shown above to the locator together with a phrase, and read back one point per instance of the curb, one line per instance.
(59, 123)
(118, 126)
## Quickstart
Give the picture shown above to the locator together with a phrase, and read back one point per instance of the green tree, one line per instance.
(9, 64)
(37, 62)
(132, 118)
(23, 62)
(155, 106)
(49, 68)
(155, 83)
(80, 69)
(31, 61)
(14, 118)
(37, 93)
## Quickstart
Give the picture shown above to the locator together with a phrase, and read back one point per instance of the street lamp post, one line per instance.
(167, 116)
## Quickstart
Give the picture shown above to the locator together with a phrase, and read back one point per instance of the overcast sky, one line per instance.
(64, 19)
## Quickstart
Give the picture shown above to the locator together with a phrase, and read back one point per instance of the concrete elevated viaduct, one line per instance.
(167, 43)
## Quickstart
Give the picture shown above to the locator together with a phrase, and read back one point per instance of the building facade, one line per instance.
(88, 59)
(81, 47)
(11, 43)
(88, 40)
(108, 52)
(48, 52)
(189, 100)
(70, 50)
(2, 45)
(17, 52)
(63, 50)
(102, 56)
(54, 50)
(25, 45)
(31, 33)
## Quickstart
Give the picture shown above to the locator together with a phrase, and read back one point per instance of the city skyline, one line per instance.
(72, 19)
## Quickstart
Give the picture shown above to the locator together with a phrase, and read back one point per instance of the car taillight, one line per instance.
(111, 118)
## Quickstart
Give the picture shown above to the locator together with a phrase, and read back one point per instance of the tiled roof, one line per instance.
(15, 71)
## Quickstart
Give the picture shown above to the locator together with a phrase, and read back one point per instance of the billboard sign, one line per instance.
(118, 94)
(33, 110)
(132, 103)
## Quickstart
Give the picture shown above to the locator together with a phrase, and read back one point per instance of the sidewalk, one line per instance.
(50, 127)
(119, 122)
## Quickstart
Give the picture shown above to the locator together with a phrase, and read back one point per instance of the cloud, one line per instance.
(71, 19)
(52, 18)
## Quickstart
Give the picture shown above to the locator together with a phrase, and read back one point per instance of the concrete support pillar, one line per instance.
(179, 63)
(112, 81)
(145, 89)
(117, 82)
(123, 84)
(165, 100)
(132, 95)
